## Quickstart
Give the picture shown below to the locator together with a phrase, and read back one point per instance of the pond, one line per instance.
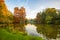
(32, 30)
(48, 32)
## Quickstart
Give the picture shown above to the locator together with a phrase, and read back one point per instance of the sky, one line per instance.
(32, 6)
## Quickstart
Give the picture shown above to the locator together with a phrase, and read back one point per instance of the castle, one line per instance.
(19, 14)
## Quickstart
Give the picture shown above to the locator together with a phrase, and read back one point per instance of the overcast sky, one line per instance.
(32, 6)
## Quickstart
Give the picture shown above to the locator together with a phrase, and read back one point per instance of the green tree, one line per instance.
(50, 14)
(43, 17)
(38, 17)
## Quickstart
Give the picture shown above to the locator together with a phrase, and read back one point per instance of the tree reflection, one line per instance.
(50, 31)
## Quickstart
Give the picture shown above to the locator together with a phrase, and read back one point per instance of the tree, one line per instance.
(50, 14)
(38, 18)
(43, 17)
(1, 14)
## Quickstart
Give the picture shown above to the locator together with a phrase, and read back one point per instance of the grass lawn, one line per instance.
(4, 35)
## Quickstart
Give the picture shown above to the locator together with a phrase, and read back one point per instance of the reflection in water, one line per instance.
(48, 32)
(16, 27)
(32, 30)
(19, 27)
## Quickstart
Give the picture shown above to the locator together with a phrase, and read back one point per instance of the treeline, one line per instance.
(6, 19)
(48, 16)
(5, 15)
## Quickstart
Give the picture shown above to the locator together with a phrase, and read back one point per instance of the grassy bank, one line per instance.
(4, 35)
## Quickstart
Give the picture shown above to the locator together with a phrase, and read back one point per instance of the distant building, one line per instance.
(19, 14)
